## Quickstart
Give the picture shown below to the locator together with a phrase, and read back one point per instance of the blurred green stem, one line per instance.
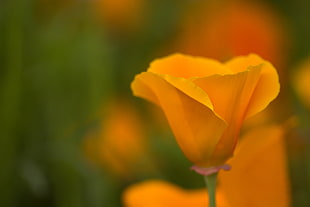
(211, 185)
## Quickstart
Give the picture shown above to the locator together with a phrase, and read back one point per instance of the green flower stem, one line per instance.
(211, 185)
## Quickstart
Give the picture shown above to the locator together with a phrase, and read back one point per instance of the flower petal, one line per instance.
(230, 95)
(242, 63)
(259, 171)
(187, 66)
(239, 96)
(157, 193)
(190, 89)
(301, 80)
(196, 127)
(160, 193)
(267, 87)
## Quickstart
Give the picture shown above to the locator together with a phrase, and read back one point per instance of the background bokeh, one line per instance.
(71, 132)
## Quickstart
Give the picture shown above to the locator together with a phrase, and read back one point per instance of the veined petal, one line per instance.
(190, 89)
(187, 66)
(267, 87)
(230, 95)
(259, 171)
(196, 127)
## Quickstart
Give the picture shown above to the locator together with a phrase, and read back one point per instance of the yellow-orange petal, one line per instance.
(259, 174)
(186, 66)
(267, 87)
(230, 95)
(157, 193)
(190, 89)
(196, 127)
(238, 96)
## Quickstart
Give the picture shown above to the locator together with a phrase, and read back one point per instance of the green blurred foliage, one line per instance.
(59, 64)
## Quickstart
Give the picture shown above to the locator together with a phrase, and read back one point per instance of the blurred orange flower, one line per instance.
(301, 80)
(222, 30)
(51, 7)
(206, 102)
(119, 143)
(259, 174)
(258, 178)
(157, 193)
(120, 14)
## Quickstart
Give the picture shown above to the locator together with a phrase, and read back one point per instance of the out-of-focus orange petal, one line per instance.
(120, 14)
(156, 193)
(267, 87)
(196, 127)
(301, 80)
(222, 30)
(118, 142)
(259, 175)
(187, 66)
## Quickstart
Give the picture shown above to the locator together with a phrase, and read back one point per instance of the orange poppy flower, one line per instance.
(258, 178)
(205, 102)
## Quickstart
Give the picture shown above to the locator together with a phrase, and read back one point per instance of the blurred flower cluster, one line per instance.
(74, 134)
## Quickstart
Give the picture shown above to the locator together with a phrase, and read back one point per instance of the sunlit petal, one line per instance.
(230, 95)
(267, 87)
(196, 128)
(187, 66)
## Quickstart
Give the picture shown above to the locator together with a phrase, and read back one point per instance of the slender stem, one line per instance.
(211, 185)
